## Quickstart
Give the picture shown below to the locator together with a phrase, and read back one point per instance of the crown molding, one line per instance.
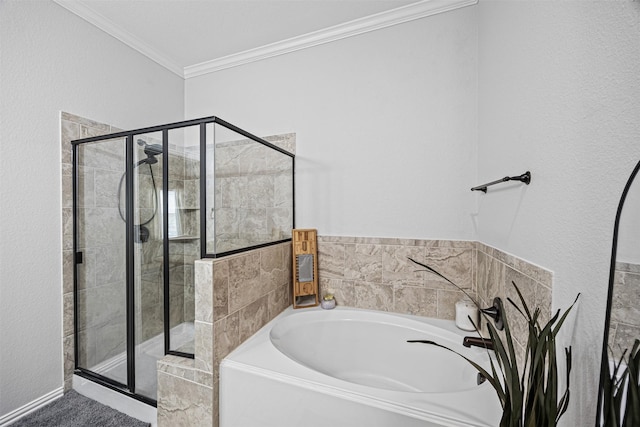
(374, 22)
(108, 26)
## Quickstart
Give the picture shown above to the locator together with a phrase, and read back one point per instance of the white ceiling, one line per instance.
(184, 35)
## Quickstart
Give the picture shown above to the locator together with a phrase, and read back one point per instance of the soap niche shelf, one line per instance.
(188, 225)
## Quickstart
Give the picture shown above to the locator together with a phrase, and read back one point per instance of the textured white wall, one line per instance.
(559, 94)
(387, 145)
(386, 138)
(385, 123)
(51, 61)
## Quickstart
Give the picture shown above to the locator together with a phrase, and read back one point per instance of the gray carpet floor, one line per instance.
(75, 410)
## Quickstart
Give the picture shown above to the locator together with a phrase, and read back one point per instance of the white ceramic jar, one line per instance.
(466, 309)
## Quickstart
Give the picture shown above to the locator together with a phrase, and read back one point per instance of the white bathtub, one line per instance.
(350, 367)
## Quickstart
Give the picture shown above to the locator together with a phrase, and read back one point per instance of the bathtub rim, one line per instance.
(431, 407)
(393, 331)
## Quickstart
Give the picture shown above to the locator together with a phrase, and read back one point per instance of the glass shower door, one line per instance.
(119, 262)
(148, 261)
(101, 327)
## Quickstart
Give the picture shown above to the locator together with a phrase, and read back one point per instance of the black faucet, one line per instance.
(495, 312)
(477, 342)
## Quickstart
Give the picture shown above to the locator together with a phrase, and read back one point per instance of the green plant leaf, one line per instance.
(529, 397)
(491, 379)
(632, 402)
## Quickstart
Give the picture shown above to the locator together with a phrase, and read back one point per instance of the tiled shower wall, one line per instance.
(625, 308)
(183, 251)
(184, 173)
(253, 193)
(75, 127)
(101, 283)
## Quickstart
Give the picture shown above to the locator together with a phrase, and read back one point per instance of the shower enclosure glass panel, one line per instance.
(254, 193)
(101, 335)
(183, 230)
(119, 308)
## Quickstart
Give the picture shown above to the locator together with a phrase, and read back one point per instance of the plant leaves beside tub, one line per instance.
(621, 391)
(529, 398)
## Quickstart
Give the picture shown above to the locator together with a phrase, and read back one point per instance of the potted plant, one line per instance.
(528, 394)
(621, 391)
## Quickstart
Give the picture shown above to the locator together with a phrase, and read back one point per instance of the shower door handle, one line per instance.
(78, 258)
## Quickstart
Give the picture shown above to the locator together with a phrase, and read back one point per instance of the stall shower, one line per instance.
(147, 203)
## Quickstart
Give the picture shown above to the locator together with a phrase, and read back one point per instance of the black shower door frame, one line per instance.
(129, 388)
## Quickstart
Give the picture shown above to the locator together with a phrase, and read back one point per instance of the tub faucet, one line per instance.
(477, 342)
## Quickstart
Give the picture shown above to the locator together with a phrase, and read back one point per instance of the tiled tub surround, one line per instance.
(235, 296)
(496, 272)
(624, 325)
(375, 273)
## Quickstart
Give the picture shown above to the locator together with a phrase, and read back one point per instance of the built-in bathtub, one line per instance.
(352, 367)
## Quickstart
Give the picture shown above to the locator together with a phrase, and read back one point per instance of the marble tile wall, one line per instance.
(497, 271)
(191, 227)
(234, 297)
(624, 326)
(375, 273)
(182, 251)
(185, 394)
(97, 280)
(253, 194)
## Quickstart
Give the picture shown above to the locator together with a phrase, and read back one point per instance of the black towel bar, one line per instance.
(525, 177)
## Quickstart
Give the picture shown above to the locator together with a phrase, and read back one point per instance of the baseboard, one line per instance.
(15, 415)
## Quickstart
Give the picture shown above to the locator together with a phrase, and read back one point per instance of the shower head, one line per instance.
(151, 150)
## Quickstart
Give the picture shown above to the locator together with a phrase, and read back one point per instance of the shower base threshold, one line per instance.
(147, 355)
(115, 400)
(115, 368)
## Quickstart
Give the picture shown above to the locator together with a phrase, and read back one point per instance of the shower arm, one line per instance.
(525, 177)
